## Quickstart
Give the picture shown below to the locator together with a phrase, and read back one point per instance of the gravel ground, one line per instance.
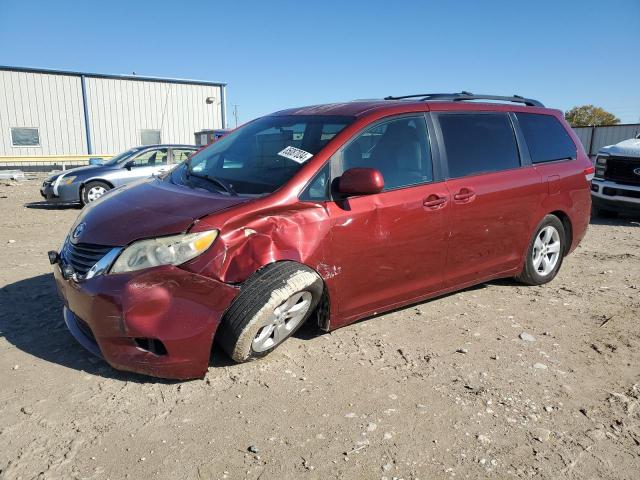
(498, 381)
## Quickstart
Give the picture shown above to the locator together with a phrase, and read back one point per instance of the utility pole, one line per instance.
(235, 113)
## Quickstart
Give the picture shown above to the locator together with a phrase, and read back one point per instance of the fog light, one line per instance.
(152, 345)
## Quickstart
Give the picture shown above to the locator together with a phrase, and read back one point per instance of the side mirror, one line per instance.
(129, 164)
(360, 181)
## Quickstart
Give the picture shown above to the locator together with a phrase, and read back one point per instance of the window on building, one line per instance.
(149, 137)
(478, 143)
(25, 137)
(546, 138)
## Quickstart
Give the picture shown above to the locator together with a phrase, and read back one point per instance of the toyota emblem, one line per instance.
(637, 171)
(78, 230)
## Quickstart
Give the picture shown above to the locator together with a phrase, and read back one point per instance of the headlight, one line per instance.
(601, 165)
(69, 180)
(172, 250)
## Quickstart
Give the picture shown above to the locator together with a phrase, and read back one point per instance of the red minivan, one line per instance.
(332, 212)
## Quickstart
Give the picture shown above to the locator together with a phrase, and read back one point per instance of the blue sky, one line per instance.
(276, 54)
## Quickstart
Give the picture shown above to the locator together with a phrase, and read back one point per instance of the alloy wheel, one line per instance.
(546, 250)
(282, 321)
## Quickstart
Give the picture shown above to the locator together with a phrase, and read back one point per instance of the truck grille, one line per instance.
(620, 169)
(83, 256)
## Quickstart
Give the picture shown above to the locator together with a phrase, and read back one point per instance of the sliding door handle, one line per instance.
(434, 201)
(464, 195)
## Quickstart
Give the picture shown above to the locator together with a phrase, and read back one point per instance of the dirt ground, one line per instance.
(445, 389)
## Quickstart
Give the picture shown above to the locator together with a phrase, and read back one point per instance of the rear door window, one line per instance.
(478, 143)
(546, 138)
(181, 154)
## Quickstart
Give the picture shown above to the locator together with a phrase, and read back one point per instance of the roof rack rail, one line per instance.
(463, 96)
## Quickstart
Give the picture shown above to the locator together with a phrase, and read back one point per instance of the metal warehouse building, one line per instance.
(49, 114)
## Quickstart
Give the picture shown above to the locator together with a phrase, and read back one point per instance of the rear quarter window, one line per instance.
(546, 138)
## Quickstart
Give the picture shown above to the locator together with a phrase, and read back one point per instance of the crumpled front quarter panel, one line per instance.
(295, 232)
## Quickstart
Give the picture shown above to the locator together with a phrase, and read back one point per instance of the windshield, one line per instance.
(261, 156)
(122, 156)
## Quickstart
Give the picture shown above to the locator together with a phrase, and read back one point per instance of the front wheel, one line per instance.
(545, 252)
(93, 191)
(272, 305)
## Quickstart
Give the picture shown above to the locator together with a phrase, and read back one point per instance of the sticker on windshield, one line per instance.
(295, 154)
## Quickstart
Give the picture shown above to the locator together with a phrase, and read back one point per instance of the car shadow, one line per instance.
(620, 220)
(52, 206)
(309, 330)
(31, 320)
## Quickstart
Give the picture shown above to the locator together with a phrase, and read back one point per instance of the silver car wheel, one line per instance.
(282, 321)
(546, 250)
(95, 192)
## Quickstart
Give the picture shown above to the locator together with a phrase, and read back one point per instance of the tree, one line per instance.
(588, 115)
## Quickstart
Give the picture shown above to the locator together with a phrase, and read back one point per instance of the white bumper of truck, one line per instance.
(619, 191)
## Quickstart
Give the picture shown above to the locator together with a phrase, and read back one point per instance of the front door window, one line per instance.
(151, 158)
(399, 149)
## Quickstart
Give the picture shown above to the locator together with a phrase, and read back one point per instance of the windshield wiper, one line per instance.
(226, 186)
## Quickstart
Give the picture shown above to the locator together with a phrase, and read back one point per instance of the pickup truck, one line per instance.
(616, 185)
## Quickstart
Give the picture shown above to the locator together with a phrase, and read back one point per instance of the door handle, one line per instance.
(464, 195)
(434, 201)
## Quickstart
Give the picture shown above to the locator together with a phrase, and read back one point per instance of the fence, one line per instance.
(594, 138)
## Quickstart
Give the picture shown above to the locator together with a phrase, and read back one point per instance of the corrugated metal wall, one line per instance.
(52, 103)
(605, 135)
(118, 110)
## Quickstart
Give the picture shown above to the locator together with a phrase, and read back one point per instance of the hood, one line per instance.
(626, 148)
(145, 209)
(75, 171)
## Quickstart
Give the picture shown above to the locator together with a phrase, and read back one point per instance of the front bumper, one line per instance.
(109, 314)
(615, 196)
(66, 193)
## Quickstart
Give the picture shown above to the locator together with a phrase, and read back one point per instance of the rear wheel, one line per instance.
(93, 191)
(272, 305)
(545, 253)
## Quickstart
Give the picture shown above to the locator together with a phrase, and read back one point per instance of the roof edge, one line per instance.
(139, 78)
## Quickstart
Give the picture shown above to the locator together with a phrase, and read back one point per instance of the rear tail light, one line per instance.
(589, 173)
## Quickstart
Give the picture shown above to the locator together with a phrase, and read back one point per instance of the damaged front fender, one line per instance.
(295, 233)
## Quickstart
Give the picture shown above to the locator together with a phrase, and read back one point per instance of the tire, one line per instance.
(94, 190)
(272, 305)
(603, 213)
(537, 270)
